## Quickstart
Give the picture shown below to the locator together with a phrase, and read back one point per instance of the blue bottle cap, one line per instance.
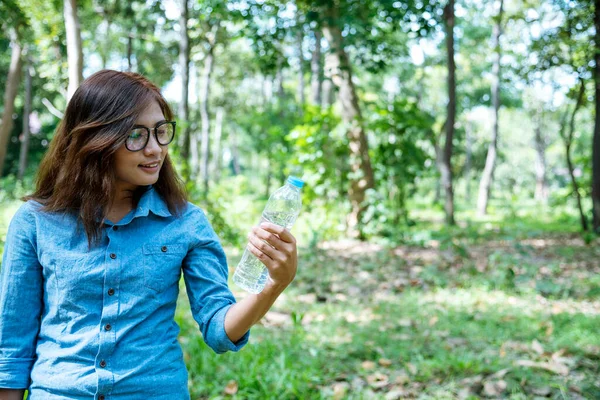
(295, 181)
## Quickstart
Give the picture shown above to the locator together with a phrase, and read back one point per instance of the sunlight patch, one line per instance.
(482, 300)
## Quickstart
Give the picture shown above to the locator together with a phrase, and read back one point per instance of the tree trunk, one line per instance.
(340, 70)
(130, 52)
(328, 95)
(541, 184)
(26, 114)
(446, 168)
(217, 150)
(184, 66)
(568, 140)
(107, 43)
(300, 39)
(10, 92)
(279, 81)
(469, 156)
(204, 115)
(596, 140)
(194, 158)
(485, 185)
(74, 51)
(316, 86)
(439, 161)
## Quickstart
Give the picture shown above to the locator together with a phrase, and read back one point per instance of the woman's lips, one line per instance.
(151, 167)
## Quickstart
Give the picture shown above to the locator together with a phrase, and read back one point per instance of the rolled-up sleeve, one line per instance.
(205, 273)
(21, 286)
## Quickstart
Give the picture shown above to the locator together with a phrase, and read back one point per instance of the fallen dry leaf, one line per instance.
(471, 380)
(309, 298)
(542, 391)
(384, 362)
(368, 365)
(464, 394)
(396, 394)
(494, 388)
(500, 374)
(231, 388)
(593, 351)
(378, 380)
(402, 379)
(274, 318)
(548, 366)
(537, 347)
(340, 389)
(433, 320)
(558, 355)
(411, 368)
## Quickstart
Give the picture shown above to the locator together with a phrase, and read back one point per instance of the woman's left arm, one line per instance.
(275, 246)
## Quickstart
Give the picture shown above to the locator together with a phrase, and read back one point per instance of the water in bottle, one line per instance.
(282, 209)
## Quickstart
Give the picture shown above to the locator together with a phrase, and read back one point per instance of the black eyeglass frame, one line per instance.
(172, 123)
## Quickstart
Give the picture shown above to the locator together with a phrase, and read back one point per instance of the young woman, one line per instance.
(92, 260)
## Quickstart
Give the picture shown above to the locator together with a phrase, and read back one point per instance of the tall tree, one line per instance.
(567, 138)
(539, 141)
(204, 96)
(339, 68)
(485, 185)
(129, 14)
(10, 93)
(316, 68)
(566, 47)
(468, 159)
(299, 43)
(26, 113)
(184, 66)
(74, 50)
(446, 161)
(217, 156)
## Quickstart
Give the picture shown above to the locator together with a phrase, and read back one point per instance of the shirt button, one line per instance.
(101, 397)
(103, 363)
(113, 255)
(107, 327)
(163, 249)
(111, 291)
(115, 228)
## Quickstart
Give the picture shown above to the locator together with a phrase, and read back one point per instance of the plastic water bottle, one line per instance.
(282, 209)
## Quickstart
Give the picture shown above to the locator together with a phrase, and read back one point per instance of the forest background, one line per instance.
(451, 152)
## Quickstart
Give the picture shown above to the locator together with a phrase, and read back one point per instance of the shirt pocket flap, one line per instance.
(166, 249)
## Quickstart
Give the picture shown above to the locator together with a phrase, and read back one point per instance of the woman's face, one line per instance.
(141, 168)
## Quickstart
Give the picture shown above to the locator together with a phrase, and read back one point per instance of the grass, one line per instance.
(505, 318)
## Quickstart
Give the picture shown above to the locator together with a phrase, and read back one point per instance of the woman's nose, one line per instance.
(152, 147)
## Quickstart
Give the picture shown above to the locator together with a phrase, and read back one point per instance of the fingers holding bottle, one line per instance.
(275, 247)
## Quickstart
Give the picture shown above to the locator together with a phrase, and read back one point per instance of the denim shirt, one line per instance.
(99, 324)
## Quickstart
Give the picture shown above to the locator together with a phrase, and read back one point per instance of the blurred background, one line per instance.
(451, 152)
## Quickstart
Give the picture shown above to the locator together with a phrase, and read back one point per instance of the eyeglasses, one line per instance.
(138, 138)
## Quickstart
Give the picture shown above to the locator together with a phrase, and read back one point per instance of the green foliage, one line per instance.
(400, 140)
(319, 148)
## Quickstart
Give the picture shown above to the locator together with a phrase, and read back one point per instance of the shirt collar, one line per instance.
(151, 201)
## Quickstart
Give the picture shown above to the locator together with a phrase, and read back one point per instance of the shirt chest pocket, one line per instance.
(162, 265)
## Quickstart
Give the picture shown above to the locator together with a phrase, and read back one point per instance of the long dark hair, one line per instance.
(77, 172)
